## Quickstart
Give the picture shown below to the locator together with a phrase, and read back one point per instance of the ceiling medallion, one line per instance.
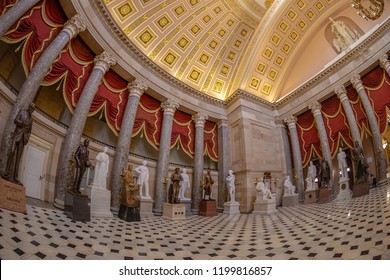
(373, 12)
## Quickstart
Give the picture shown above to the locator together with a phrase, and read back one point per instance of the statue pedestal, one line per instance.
(344, 191)
(325, 195)
(290, 200)
(77, 206)
(311, 197)
(174, 211)
(264, 206)
(208, 208)
(187, 204)
(100, 203)
(12, 196)
(146, 207)
(231, 208)
(129, 214)
(360, 189)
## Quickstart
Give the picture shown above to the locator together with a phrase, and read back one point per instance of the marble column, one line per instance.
(223, 161)
(286, 146)
(376, 135)
(33, 81)
(103, 62)
(136, 89)
(199, 120)
(169, 106)
(315, 108)
(14, 14)
(291, 123)
(342, 95)
(385, 63)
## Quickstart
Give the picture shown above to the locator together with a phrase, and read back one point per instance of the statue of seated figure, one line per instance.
(289, 188)
(263, 192)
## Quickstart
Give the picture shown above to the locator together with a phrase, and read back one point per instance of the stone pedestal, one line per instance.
(146, 207)
(231, 208)
(208, 208)
(174, 211)
(290, 200)
(100, 203)
(344, 191)
(129, 214)
(325, 195)
(311, 197)
(187, 204)
(12, 196)
(77, 206)
(264, 206)
(360, 189)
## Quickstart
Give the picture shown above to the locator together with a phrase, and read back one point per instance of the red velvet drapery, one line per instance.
(308, 137)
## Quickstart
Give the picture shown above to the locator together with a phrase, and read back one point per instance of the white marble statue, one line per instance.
(263, 192)
(184, 185)
(101, 169)
(311, 177)
(289, 188)
(230, 183)
(345, 36)
(143, 179)
(341, 158)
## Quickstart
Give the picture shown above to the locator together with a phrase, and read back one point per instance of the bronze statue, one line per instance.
(20, 137)
(130, 196)
(176, 178)
(82, 163)
(208, 182)
(324, 173)
(360, 163)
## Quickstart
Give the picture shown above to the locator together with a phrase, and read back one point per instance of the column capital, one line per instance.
(291, 121)
(315, 108)
(199, 119)
(104, 61)
(169, 106)
(341, 92)
(137, 87)
(74, 26)
(384, 61)
(357, 82)
(279, 122)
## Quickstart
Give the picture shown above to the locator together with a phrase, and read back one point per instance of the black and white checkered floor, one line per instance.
(358, 228)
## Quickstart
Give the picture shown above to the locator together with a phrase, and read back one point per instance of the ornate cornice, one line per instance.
(242, 94)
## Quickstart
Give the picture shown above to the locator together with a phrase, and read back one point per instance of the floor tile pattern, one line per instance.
(358, 228)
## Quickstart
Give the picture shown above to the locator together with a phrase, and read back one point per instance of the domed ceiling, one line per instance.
(219, 46)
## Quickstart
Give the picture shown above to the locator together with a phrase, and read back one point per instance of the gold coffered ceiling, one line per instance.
(219, 46)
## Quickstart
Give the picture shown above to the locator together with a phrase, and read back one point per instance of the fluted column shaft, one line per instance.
(14, 14)
(291, 123)
(316, 110)
(286, 146)
(342, 95)
(136, 89)
(385, 63)
(199, 120)
(169, 106)
(76, 127)
(31, 85)
(223, 161)
(376, 135)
